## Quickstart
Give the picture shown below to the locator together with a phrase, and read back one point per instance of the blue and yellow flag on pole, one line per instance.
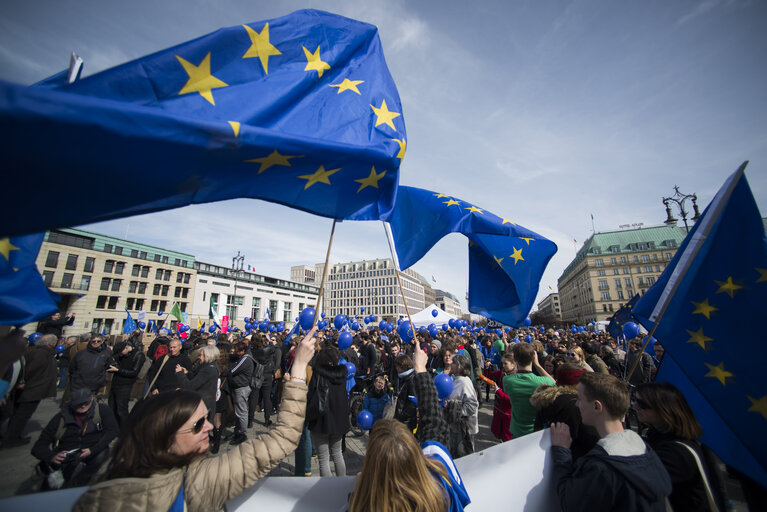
(299, 110)
(24, 297)
(130, 324)
(506, 261)
(708, 305)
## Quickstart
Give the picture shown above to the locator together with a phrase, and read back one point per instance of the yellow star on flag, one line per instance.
(474, 209)
(371, 180)
(319, 176)
(718, 372)
(314, 62)
(260, 46)
(498, 260)
(6, 247)
(762, 276)
(348, 85)
(506, 221)
(728, 287)
(452, 202)
(699, 338)
(703, 308)
(759, 406)
(402, 147)
(384, 116)
(235, 127)
(526, 239)
(439, 196)
(517, 255)
(274, 158)
(200, 79)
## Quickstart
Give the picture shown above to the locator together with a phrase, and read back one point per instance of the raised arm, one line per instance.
(431, 425)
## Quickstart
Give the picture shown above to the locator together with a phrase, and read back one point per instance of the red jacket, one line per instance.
(501, 426)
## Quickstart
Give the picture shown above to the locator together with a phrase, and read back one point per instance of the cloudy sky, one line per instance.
(543, 112)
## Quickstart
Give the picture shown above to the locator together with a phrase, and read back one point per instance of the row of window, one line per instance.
(67, 281)
(134, 303)
(639, 246)
(627, 271)
(644, 258)
(135, 253)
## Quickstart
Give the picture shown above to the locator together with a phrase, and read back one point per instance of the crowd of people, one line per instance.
(160, 413)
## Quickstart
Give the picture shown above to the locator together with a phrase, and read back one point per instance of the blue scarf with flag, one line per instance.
(299, 110)
(707, 305)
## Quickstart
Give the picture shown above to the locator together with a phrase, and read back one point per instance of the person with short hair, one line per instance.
(376, 398)
(620, 472)
(405, 410)
(576, 356)
(55, 324)
(126, 370)
(203, 378)
(465, 395)
(88, 368)
(161, 376)
(644, 369)
(591, 351)
(520, 387)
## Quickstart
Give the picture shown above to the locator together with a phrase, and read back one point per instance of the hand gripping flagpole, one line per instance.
(392, 249)
(691, 251)
(324, 273)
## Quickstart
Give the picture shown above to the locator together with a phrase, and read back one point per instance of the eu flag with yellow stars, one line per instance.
(299, 110)
(506, 261)
(621, 318)
(708, 305)
(24, 297)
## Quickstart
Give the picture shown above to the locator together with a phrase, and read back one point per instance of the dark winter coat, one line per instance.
(166, 381)
(336, 420)
(40, 374)
(88, 368)
(406, 411)
(202, 379)
(557, 404)
(128, 368)
(55, 327)
(95, 437)
(269, 356)
(241, 372)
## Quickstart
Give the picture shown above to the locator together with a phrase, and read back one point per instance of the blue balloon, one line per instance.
(345, 340)
(339, 321)
(272, 328)
(573, 330)
(389, 327)
(306, 318)
(322, 324)
(142, 325)
(60, 349)
(263, 326)
(630, 330)
(246, 319)
(159, 313)
(355, 326)
(350, 368)
(382, 325)
(248, 326)
(529, 338)
(451, 323)
(444, 385)
(362, 310)
(365, 419)
(296, 319)
(405, 331)
(422, 328)
(212, 329)
(527, 321)
(322, 315)
(445, 327)
(434, 312)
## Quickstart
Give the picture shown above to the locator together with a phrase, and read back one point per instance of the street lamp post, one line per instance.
(237, 263)
(679, 199)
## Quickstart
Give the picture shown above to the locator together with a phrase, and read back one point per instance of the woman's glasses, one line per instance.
(196, 428)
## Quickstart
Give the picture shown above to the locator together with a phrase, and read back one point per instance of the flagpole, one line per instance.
(390, 239)
(324, 273)
(688, 257)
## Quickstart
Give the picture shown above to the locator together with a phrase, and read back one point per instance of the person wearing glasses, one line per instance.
(576, 357)
(673, 433)
(160, 461)
(88, 368)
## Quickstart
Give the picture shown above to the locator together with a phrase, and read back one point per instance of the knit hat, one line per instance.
(437, 343)
(119, 347)
(569, 377)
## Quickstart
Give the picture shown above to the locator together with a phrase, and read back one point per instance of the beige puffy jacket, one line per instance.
(212, 480)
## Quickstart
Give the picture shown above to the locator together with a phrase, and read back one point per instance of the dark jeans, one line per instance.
(21, 414)
(304, 454)
(119, 398)
(264, 394)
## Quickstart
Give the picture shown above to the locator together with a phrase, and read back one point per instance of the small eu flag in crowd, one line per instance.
(707, 306)
(299, 110)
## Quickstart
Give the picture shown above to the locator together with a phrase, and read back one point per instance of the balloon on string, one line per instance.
(362, 310)
(422, 328)
(434, 312)
(529, 338)
(350, 368)
(355, 326)
(339, 321)
(322, 325)
(272, 328)
(248, 326)
(345, 340)
(142, 325)
(306, 318)
(322, 315)
(445, 327)
(444, 384)
(573, 330)
(382, 325)
(389, 327)
(296, 320)
(405, 331)
(212, 329)
(433, 331)
(246, 319)
(60, 349)
(160, 313)
(451, 323)
(365, 419)
(527, 321)
(630, 330)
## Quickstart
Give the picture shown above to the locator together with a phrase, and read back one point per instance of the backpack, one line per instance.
(257, 378)
(160, 351)
(317, 402)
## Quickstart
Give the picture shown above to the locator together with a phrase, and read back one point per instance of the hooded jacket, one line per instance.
(557, 404)
(88, 368)
(621, 473)
(210, 481)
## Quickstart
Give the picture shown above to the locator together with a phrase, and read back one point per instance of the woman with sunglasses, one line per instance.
(160, 461)
(576, 357)
(673, 433)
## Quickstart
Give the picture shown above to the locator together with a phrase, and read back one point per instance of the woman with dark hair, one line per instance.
(405, 410)
(673, 434)
(160, 459)
(330, 426)
(398, 474)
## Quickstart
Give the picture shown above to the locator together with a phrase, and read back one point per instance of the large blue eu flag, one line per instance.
(299, 110)
(708, 305)
(24, 297)
(506, 261)
(621, 318)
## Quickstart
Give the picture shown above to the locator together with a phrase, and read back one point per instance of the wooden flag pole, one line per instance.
(324, 273)
(394, 257)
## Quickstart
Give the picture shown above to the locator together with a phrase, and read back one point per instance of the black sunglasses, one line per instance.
(197, 427)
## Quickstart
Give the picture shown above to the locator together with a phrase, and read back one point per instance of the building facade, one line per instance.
(611, 267)
(550, 307)
(99, 277)
(448, 303)
(241, 294)
(429, 295)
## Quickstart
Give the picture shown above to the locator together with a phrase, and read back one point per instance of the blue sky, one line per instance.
(543, 112)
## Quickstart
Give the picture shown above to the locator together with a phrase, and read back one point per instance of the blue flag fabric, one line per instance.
(130, 324)
(506, 261)
(24, 297)
(299, 110)
(708, 303)
(621, 317)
